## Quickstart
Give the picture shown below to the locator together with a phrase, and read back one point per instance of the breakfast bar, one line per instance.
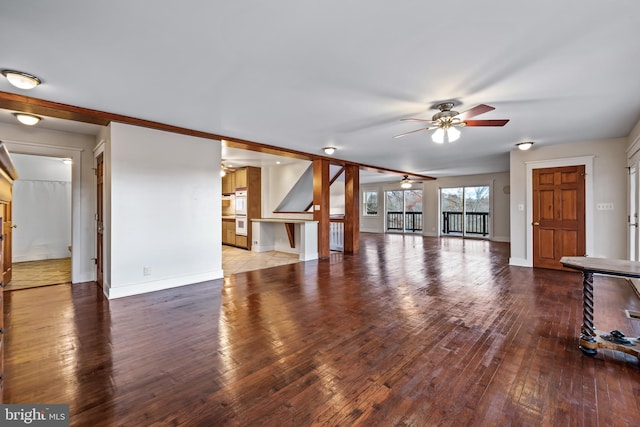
(290, 235)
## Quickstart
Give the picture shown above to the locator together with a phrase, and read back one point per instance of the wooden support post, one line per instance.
(321, 199)
(351, 209)
(291, 233)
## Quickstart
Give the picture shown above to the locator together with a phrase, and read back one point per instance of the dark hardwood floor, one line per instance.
(412, 331)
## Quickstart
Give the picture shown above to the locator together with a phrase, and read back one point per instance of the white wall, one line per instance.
(41, 168)
(606, 230)
(164, 210)
(336, 197)
(41, 208)
(277, 181)
(35, 140)
(431, 202)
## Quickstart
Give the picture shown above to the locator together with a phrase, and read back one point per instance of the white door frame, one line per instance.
(74, 154)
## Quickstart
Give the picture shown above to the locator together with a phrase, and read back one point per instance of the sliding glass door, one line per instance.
(403, 211)
(464, 211)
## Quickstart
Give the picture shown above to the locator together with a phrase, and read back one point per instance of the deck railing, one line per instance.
(404, 221)
(336, 234)
(475, 223)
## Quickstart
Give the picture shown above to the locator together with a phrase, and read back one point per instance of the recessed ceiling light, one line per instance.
(27, 119)
(329, 150)
(21, 80)
(524, 146)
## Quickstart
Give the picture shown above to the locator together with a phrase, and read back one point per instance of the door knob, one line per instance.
(14, 226)
(536, 223)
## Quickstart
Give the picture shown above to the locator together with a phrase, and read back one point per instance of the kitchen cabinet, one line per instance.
(229, 183)
(228, 231)
(241, 177)
(249, 179)
(242, 242)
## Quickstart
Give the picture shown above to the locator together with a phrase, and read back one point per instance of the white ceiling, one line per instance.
(303, 75)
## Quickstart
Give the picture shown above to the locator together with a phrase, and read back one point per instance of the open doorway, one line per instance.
(403, 211)
(41, 237)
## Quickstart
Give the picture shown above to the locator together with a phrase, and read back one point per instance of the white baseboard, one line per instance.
(520, 262)
(158, 285)
(505, 239)
(258, 248)
(430, 234)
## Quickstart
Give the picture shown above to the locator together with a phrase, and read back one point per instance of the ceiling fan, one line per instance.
(447, 120)
(405, 182)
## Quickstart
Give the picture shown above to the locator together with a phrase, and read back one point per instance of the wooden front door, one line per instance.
(99, 219)
(7, 238)
(558, 215)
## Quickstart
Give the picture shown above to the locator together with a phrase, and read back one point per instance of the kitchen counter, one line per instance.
(284, 220)
(228, 218)
(299, 236)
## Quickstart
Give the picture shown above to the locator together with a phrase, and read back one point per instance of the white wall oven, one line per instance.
(241, 202)
(242, 223)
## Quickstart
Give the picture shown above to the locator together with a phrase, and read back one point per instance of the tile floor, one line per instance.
(235, 260)
(55, 271)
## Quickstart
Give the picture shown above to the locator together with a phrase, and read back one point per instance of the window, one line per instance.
(370, 203)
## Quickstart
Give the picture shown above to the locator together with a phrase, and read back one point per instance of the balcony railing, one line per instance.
(475, 223)
(404, 221)
(336, 233)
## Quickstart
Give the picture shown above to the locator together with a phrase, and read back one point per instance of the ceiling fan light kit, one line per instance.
(21, 80)
(405, 182)
(524, 146)
(447, 121)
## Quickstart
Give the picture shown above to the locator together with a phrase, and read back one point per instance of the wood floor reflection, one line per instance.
(412, 331)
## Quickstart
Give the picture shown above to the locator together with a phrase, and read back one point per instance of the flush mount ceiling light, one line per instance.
(21, 80)
(524, 146)
(405, 182)
(27, 119)
(329, 150)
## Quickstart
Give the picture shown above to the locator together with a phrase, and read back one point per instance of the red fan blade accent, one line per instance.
(414, 131)
(417, 120)
(475, 111)
(485, 122)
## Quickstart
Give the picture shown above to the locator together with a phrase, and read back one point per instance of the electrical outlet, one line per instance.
(146, 271)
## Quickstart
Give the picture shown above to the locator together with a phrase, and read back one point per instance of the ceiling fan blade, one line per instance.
(414, 131)
(475, 111)
(486, 122)
(417, 120)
